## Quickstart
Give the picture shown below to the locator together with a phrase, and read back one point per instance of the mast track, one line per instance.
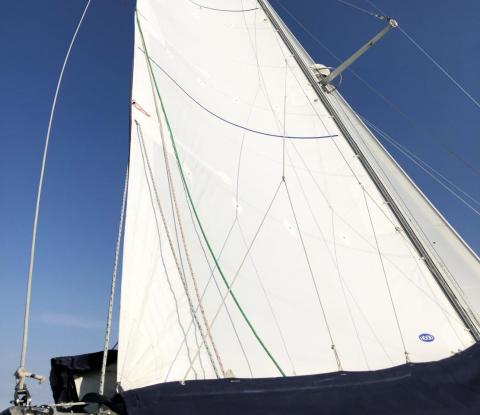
(465, 315)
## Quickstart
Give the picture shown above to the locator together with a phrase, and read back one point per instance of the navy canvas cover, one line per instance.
(65, 369)
(447, 387)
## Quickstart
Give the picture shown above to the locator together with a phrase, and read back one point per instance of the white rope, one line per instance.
(39, 195)
(112, 288)
(333, 255)
(172, 249)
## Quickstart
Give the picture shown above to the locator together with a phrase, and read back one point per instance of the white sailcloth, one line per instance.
(322, 275)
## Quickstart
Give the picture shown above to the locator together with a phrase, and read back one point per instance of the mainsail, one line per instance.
(257, 242)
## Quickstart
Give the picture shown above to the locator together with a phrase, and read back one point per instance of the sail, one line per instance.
(459, 263)
(257, 244)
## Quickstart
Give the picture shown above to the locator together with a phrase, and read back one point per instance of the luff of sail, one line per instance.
(448, 254)
(255, 239)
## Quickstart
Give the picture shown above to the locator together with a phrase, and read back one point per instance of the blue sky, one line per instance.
(89, 143)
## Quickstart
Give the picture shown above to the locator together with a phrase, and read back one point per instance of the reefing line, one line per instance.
(21, 394)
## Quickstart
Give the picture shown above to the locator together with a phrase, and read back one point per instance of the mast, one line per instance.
(465, 314)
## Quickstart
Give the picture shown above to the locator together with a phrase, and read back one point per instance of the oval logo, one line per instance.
(425, 337)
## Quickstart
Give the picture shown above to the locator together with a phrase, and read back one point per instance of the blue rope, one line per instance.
(251, 130)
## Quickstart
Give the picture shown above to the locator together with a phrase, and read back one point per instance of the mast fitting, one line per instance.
(22, 396)
(326, 80)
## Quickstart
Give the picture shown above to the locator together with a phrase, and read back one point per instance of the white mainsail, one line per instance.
(240, 178)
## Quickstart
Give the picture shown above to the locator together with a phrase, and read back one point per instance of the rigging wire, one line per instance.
(332, 346)
(39, 195)
(354, 6)
(333, 255)
(390, 295)
(269, 302)
(282, 127)
(211, 277)
(312, 275)
(212, 269)
(441, 68)
(182, 274)
(169, 238)
(361, 236)
(182, 234)
(440, 143)
(417, 126)
(181, 263)
(426, 167)
(197, 218)
(345, 222)
(148, 178)
(261, 87)
(445, 286)
(217, 286)
(425, 53)
(113, 284)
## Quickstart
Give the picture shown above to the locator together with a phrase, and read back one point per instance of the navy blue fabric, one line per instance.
(64, 369)
(450, 386)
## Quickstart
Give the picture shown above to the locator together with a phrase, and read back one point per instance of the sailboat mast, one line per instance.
(463, 313)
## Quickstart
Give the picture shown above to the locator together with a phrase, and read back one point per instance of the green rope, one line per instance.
(189, 196)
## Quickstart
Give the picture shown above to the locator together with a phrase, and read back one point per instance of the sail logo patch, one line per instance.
(426, 337)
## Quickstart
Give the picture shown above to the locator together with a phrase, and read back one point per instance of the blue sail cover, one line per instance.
(449, 386)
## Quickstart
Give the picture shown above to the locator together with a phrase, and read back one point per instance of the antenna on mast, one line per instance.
(22, 396)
